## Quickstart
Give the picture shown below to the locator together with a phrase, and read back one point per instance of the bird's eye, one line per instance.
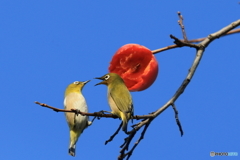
(106, 77)
(76, 82)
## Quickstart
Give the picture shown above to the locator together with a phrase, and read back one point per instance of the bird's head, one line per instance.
(76, 86)
(109, 78)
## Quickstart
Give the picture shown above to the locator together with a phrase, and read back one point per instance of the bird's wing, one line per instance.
(123, 99)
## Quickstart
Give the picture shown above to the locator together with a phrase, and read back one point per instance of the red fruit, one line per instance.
(136, 65)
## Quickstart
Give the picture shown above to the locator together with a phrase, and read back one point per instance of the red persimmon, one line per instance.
(136, 65)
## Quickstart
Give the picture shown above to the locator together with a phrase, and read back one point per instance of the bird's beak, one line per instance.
(101, 78)
(86, 82)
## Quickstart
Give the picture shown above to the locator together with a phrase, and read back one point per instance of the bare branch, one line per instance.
(126, 143)
(181, 43)
(200, 50)
(95, 114)
(138, 141)
(53, 108)
(191, 41)
(218, 34)
(177, 119)
(180, 22)
(128, 140)
(194, 66)
(196, 61)
(111, 138)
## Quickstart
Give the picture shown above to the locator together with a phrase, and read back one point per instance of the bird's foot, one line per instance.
(76, 111)
(102, 112)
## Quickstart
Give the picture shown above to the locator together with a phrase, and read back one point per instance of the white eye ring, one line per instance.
(107, 77)
(76, 82)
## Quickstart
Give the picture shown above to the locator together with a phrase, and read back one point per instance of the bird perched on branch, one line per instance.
(119, 97)
(76, 122)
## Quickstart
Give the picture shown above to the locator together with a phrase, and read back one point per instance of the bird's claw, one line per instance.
(76, 111)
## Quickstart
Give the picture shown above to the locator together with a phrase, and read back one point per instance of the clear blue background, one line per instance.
(46, 45)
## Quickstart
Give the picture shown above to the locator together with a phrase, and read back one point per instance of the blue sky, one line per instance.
(46, 45)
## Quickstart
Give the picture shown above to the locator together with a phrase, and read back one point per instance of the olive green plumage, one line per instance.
(77, 123)
(119, 97)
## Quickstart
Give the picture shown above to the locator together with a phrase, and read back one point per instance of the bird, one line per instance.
(119, 98)
(76, 122)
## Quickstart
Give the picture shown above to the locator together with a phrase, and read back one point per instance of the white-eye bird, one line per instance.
(76, 122)
(119, 97)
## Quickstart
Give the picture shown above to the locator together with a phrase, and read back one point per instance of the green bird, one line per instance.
(119, 98)
(76, 122)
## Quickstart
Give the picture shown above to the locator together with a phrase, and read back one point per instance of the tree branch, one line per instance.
(181, 43)
(115, 133)
(200, 50)
(95, 114)
(191, 41)
(180, 22)
(138, 141)
(196, 61)
(177, 119)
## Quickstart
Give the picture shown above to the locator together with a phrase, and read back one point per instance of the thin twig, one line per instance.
(95, 114)
(127, 140)
(53, 108)
(111, 138)
(196, 61)
(180, 22)
(181, 43)
(126, 143)
(201, 47)
(138, 141)
(191, 41)
(177, 119)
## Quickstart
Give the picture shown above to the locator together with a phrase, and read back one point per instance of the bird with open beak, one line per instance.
(119, 98)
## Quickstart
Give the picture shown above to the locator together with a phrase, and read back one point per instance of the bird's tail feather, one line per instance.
(73, 140)
(71, 151)
(125, 122)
